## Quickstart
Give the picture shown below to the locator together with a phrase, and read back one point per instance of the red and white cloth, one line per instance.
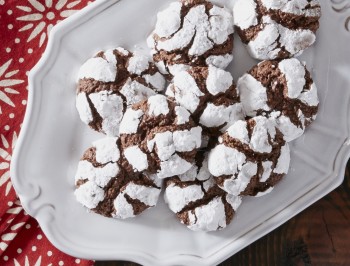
(24, 29)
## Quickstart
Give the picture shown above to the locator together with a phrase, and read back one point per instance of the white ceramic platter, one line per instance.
(53, 139)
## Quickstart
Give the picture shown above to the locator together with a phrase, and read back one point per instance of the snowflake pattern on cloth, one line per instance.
(24, 30)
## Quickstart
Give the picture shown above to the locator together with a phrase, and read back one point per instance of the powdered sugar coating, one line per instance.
(108, 105)
(175, 165)
(267, 166)
(147, 195)
(103, 94)
(138, 64)
(189, 175)
(296, 7)
(110, 108)
(239, 131)
(310, 97)
(105, 187)
(164, 143)
(123, 208)
(177, 198)
(197, 201)
(99, 69)
(209, 217)
(198, 171)
(234, 201)
(265, 45)
(244, 14)
(296, 41)
(155, 179)
(235, 186)
(169, 20)
(220, 21)
(283, 162)
(136, 158)
(193, 29)
(217, 116)
(169, 145)
(184, 36)
(209, 94)
(135, 92)
(99, 175)
(156, 80)
(294, 72)
(187, 92)
(131, 121)
(187, 140)
(274, 98)
(225, 161)
(182, 115)
(158, 105)
(250, 158)
(107, 150)
(203, 173)
(177, 68)
(110, 56)
(89, 195)
(96, 178)
(218, 80)
(220, 61)
(260, 139)
(83, 108)
(277, 29)
(287, 127)
(196, 27)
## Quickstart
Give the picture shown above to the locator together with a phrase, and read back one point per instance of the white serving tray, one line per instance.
(53, 139)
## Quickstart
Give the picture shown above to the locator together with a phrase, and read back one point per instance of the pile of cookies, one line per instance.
(210, 141)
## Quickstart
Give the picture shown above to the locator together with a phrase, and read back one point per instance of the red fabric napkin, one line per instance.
(24, 30)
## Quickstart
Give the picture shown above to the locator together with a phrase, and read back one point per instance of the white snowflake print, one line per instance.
(37, 13)
(15, 209)
(11, 231)
(2, 2)
(7, 82)
(26, 262)
(5, 158)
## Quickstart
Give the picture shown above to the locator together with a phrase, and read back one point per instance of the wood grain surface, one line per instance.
(320, 235)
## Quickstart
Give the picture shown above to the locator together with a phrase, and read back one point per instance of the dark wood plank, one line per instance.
(320, 235)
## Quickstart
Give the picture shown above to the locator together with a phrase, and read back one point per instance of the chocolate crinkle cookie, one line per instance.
(106, 188)
(197, 201)
(210, 95)
(251, 158)
(192, 33)
(283, 90)
(274, 29)
(159, 136)
(111, 81)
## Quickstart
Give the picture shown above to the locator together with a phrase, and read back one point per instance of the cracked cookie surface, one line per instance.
(283, 90)
(105, 187)
(111, 81)
(210, 95)
(192, 33)
(159, 136)
(277, 29)
(250, 158)
(197, 201)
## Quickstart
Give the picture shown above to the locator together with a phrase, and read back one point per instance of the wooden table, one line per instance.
(320, 235)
